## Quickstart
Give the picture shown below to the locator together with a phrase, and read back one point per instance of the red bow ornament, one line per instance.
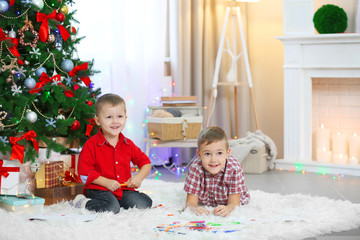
(81, 67)
(70, 176)
(45, 79)
(13, 48)
(44, 28)
(89, 127)
(17, 151)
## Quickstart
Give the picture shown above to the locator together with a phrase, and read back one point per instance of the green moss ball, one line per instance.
(330, 19)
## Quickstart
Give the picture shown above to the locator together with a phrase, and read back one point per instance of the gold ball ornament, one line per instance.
(64, 9)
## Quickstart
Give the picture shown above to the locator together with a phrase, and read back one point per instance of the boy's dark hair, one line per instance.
(108, 98)
(212, 134)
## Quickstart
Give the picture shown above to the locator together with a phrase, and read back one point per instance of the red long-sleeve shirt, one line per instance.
(99, 158)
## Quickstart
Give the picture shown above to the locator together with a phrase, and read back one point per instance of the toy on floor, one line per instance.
(214, 227)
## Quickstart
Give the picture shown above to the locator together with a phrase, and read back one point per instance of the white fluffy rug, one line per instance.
(267, 216)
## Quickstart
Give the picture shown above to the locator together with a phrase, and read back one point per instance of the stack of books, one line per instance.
(179, 101)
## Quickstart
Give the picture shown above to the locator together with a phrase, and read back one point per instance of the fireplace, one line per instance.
(309, 60)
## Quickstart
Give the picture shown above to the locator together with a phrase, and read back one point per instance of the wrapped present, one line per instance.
(22, 203)
(50, 174)
(9, 177)
(57, 194)
(70, 161)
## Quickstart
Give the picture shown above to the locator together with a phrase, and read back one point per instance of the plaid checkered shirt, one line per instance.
(215, 190)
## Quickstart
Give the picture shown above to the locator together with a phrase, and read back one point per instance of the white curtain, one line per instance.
(126, 38)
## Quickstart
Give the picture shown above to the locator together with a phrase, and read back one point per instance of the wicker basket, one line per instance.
(178, 128)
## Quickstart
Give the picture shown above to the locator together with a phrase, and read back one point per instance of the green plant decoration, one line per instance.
(330, 19)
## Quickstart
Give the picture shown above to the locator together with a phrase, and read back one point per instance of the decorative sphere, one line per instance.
(88, 102)
(73, 38)
(35, 167)
(17, 76)
(39, 4)
(72, 29)
(60, 17)
(31, 116)
(64, 9)
(330, 19)
(39, 71)
(60, 116)
(30, 83)
(4, 6)
(12, 34)
(67, 65)
(9, 80)
(51, 38)
(75, 125)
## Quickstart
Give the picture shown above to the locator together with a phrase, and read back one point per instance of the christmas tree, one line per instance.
(46, 94)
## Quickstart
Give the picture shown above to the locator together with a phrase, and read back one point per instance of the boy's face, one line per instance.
(112, 120)
(213, 156)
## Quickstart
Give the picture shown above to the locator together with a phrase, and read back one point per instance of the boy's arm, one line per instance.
(192, 204)
(135, 181)
(110, 184)
(232, 203)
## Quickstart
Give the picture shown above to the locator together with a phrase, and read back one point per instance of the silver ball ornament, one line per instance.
(67, 65)
(73, 38)
(39, 4)
(35, 167)
(31, 116)
(12, 34)
(4, 6)
(39, 71)
(60, 116)
(30, 83)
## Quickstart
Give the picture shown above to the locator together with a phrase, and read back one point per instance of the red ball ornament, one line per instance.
(60, 17)
(75, 125)
(90, 103)
(71, 29)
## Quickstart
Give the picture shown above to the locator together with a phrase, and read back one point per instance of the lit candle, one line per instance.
(339, 143)
(340, 158)
(322, 138)
(354, 146)
(353, 161)
(323, 155)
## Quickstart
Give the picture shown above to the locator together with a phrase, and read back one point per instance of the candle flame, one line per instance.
(324, 149)
(340, 155)
(322, 125)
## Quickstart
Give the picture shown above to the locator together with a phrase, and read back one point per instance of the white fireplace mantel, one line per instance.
(306, 57)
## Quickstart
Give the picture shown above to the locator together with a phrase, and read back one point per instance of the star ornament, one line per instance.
(56, 79)
(16, 90)
(50, 122)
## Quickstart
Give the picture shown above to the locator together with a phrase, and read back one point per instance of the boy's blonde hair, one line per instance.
(212, 134)
(108, 98)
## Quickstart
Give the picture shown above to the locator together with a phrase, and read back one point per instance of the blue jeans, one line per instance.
(105, 201)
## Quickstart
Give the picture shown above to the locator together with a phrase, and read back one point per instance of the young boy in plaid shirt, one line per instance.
(215, 178)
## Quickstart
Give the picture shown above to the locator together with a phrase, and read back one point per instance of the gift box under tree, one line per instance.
(22, 203)
(9, 177)
(59, 193)
(50, 174)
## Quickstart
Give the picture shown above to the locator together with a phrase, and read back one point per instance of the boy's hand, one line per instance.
(200, 211)
(223, 211)
(134, 182)
(112, 185)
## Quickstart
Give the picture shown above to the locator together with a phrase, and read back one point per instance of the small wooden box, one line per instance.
(57, 194)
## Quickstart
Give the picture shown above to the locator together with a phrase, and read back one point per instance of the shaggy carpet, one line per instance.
(267, 216)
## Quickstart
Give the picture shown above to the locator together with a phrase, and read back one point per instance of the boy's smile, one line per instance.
(112, 120)
(213, 156)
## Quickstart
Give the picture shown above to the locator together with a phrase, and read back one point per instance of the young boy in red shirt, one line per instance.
(215, 179)
(104, 163)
